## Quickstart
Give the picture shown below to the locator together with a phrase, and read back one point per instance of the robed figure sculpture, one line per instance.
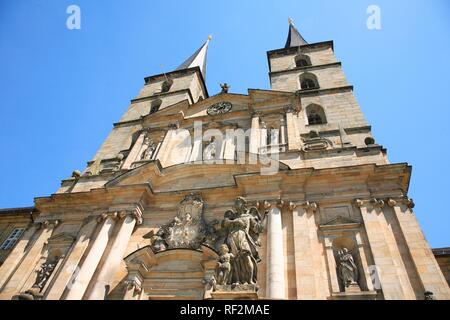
(243, 226)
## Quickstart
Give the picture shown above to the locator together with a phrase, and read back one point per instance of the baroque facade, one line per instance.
(274, 194)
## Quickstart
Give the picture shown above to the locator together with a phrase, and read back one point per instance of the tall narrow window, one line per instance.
(12, 239)
(302, 60)
(155, 105)
(315, 114)
(308, 81)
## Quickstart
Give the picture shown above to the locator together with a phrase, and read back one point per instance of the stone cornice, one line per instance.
(245, 178)
(163, 94)
(305, 69)
(321, 91)
(291, 50)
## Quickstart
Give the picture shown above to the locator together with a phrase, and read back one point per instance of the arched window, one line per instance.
(154, 106)
(166, 85)
(315, 114)
(308, 81)
(302, 60)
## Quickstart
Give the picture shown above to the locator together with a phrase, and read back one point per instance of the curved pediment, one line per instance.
(148, 260)
(187, 176)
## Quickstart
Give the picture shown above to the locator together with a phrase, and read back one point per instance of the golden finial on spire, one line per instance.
(291, 21)
(210, 37)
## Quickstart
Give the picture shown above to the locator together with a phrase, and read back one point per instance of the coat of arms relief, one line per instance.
(186, 230)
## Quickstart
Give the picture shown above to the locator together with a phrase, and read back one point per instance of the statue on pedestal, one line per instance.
(43, 274)
(243, 226)
(347, 269)
(149, 149)
(210, 150)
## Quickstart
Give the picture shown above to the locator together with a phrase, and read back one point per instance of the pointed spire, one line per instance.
(198, 59)
(294, 38)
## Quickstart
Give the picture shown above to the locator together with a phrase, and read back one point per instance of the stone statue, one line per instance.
(223, 268)
(210, 150)
(272, 136)
(157, 241)
(150, 148)
(243, 226)
(225, 87)
(43, 274)
(347, 269)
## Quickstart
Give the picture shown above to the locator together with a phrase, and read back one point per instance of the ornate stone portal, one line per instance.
(235, 239)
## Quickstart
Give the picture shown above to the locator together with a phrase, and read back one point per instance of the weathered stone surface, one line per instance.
(145, 219)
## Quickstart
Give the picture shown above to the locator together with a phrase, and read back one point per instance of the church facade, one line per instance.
(273, 194)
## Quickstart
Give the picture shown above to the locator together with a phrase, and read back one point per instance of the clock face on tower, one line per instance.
(219, 108)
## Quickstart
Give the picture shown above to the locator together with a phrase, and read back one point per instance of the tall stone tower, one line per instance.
(280, 194)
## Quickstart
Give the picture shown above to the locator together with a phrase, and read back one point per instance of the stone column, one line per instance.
(263, 139)
(275, 278)
(391, 272)
(20, 250)
(90, 263)
(15, 283)
(425, 263)
(158, 146)
(308, 252)
(331, 264)
(293, 134)
(364, 266)
(135, 152)
(164, 150)
(197, 150)
(62, 279)
(282, 132)
(113, 257)
(230, 148)
(255, 134)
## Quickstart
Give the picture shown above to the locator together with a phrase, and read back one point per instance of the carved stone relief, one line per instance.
(148, 148)
(186, 230)
(235, 238)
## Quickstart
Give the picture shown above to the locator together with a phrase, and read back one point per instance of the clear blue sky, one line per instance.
(61, 90)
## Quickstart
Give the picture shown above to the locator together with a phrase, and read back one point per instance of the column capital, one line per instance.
(290, 109)
(47, 223)
(102, 217)
(408, 202)
(374, 202)
(272, 203)
(121, 214)
(133, 284)
(256, 113)
(391, 202)
(308, 205)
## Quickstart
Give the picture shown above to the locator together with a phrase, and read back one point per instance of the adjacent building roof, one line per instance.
(441, 251)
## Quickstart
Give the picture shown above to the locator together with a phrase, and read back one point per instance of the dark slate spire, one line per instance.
(198, 59)
(294, 38)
